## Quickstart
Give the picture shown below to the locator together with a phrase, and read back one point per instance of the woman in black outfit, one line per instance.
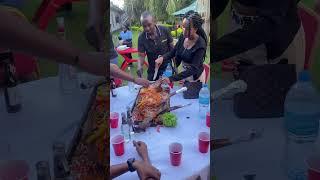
(189, 51)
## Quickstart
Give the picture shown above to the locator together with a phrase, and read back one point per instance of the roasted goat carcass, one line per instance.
(150, 102)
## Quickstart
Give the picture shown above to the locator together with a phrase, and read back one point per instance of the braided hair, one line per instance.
(196, 20)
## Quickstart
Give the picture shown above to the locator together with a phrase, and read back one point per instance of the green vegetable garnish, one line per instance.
(169, 119)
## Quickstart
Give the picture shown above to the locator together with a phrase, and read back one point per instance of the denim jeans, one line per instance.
(114, 61)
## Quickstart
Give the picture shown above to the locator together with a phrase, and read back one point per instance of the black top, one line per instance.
(112, 52)
(193, 56)
(154, 48)
(276, 26)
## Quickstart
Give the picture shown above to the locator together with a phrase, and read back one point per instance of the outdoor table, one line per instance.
(263, 157)
(128, 60)
(186, 133)
(46, 116)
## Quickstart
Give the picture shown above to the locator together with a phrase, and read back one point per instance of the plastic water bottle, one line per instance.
(168, 71)
(302, 115)
(130, 84)
(204, 100)
(125, 128)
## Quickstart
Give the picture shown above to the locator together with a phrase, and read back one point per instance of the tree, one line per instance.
(171, 8)
(162, 10)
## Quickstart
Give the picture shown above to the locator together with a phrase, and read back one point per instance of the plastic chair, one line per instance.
(47, 11)
(311, 24)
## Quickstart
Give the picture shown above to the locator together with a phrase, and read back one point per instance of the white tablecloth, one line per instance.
(46, 114)
(262, 157)
(186, 133)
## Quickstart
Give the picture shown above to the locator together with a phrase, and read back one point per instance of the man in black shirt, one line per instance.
(155, 41)
(271, 28)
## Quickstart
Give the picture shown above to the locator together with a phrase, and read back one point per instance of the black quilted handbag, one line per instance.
(193, 89)
(267, 87)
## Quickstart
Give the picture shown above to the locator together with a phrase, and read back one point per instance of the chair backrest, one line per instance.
(311, 24)
(207, 71)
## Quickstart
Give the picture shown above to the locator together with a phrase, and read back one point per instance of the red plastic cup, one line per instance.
(14, 170)
(175, 150)
(204, 141)
(118, 145)
(114, 119)
(208, 119)
(313, 164)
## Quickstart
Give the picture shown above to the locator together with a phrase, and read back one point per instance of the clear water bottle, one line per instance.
(168, 71)
(130, 84)
(125, 128)
(68, 78)
(204, 100)
(302, 115)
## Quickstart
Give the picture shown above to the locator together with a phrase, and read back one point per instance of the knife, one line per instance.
(178, 91)
(156, 70)
(155, 73)
(174, 108)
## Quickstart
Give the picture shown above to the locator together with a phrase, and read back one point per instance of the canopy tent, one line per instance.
(181, 12)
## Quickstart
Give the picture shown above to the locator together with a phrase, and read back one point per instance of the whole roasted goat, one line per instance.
(150, 102)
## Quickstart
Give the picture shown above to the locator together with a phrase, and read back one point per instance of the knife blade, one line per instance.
(155, 73)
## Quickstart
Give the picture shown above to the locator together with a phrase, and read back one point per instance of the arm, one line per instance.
(119, 169)
(218, 7)
(171, 54)
(260, 32)
(144, 170)
(194, 67)
(115, 71)
(18, 35)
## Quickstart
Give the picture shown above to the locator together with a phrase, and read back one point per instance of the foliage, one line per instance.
(171, 8)
(136, 28)
(162, 10)
(176, 33)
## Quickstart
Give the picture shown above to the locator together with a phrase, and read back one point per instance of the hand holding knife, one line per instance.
(157, 66)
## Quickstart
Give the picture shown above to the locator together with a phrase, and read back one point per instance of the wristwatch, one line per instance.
(130, 164)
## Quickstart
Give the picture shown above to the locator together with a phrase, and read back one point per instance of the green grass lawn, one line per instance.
(75, 27)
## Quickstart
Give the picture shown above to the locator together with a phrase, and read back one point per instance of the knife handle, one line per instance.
(219, 143)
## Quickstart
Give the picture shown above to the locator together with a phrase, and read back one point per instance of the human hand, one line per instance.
(159, 61)
(165, 80)
(142, 150)
(141, 81)
(140, 72)
(146, 171)
(93, 62)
